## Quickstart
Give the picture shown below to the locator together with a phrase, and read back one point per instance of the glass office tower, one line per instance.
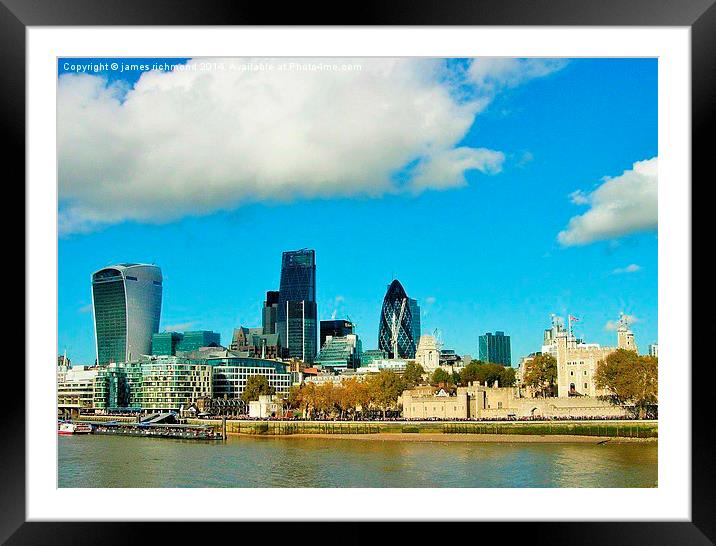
(495, 348)
(191, 341)
(165, 343)
(395, 333)
(415, 318)
(269, 313)
(127, 303)
(296, 318)
(335, 328)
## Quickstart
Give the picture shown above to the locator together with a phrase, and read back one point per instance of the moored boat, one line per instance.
(67, 429)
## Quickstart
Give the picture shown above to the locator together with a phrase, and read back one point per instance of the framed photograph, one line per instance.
(414, 266)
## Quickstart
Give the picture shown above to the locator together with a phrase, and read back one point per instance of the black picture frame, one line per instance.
(699, 15)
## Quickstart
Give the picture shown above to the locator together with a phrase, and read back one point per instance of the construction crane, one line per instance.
(438, 335)
(355, 324)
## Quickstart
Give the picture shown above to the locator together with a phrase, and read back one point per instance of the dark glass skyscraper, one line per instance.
(269, 313)
(415, 316)
(297, 314)
(395, 333)
(335, 328)
(127, 302)
(496, 348)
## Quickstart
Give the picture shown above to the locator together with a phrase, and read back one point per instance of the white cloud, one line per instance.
(336, 305)
(447, 169)
(493, 74)
(85, 308)
(621, 205)
(193, 142)
(631, 268)
(180, 326)
(430, 300)
(612, 325)
(578, 197)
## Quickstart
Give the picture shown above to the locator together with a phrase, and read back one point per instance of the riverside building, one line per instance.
(577, 361)
(126, 302)
(118, 388)
(494, 402)
(75, 389)
(168, 383)
(230, 375)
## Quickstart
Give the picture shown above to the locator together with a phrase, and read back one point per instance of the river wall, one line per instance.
(611, 429)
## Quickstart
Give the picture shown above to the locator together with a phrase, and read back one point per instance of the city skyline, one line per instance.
(501, 250)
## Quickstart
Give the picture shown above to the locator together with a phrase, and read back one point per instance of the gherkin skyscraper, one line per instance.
(395, 333)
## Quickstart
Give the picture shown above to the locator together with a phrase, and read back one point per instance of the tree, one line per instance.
(541, 374)
(487, 372)
(294, 397)
(507, 378)
(385, 387)
(307, 397)
(630, 379)
(256, 385)
(413, 374)
(354, 394)
(471, 373)
(440, 376)
(327, 398)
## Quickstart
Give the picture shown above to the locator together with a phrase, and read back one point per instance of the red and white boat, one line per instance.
(67, 429)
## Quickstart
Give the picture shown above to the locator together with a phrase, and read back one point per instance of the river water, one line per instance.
(110, 461)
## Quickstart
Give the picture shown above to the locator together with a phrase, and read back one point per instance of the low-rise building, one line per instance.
(427, 353)
(76, 388)
(230, 375)
(168, 383)
(265, 406)
(370, 355)
(340, 352)
(577, 361)
(485, 402)
(256, 343)
(394, 364)
(118, 387)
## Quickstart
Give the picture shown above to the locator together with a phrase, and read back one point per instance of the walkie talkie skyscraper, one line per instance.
(127, 303)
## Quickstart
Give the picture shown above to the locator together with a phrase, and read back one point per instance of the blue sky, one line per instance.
(480, 248)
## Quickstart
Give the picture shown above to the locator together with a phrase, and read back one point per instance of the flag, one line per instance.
(573, 319)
